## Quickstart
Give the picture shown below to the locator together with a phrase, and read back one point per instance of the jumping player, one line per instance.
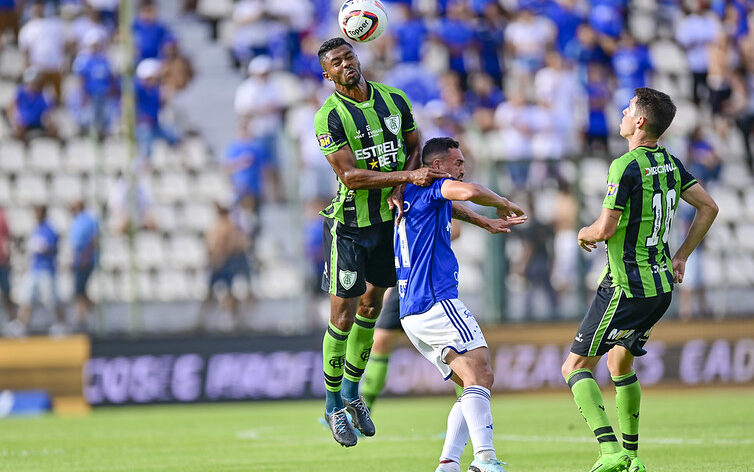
(643, 188)
(436, 322)
(368, 134)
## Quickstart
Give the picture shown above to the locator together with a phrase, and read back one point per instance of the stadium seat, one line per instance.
(471, 245)
(744, 233)
(7, 93)
(748, 202)
(163, 157)
(172, 187)
(719, 238)
(643, 25)
(44, 155)
(213, 186)
(166, 216)
(150, 251)
(81, 155)
(592, 173)
(114, 253)
(195, 154)
(736, 176)
(31, 189)
(11, 62)
(116, 153)
(20, 221)
(67, 188)
(172, 285)
(187, 252)
(667, 56)
(5, 191)
(197, 216)
(60, 219)
(13, 156)
(686, 117)
(729, 203)
(714, 276)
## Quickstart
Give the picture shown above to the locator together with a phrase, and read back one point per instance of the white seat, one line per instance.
(736, 175)
(80, 155)
(67, 188)
(686, 117)
(643, 26)
(114, 253)
(745, 237)
(738, 270)
(150, 251)
(44, 155)
(195, 154)
(719, 239)
(116, 155)
(11, 62)
(187, 252)
(31, 189)
(163, 157)
(748, 202)
(165, 215)
(728, 201)
(172, 187)
(667, 56)
(60, 219)
(7, 93)
(214, 186)
(13, 154)
(714, 275)
(198, 216)
(5, 191)
(592, 175)
(172, 285)
(20, 221)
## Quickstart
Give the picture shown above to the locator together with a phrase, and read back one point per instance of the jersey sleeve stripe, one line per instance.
(689, 184)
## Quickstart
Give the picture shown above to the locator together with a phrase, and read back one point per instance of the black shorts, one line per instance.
(615, 319)
(354, 256)
(390, 316)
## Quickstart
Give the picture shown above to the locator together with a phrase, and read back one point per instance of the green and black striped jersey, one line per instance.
(646, 184)
(375, 130)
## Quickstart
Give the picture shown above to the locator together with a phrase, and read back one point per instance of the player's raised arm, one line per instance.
(510, 214)
(706, 211)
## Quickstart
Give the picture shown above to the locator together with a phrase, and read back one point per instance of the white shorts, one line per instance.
(40, 287)
(447, 325)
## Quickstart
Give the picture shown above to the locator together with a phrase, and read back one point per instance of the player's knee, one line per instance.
(342, 320)
(370, 310)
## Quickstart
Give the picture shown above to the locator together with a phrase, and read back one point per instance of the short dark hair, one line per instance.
(657, 108)
(329, 45)
(436, 146)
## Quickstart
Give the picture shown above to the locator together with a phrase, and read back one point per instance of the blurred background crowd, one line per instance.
(202, 211)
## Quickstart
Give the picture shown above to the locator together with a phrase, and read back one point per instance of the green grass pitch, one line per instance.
(681, 430)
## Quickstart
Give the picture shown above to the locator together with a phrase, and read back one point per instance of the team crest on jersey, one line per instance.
(325, 140)
(347, 278)
(393, 123)
(402, 285)
(612, 189)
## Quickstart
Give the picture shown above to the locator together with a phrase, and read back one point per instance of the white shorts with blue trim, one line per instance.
(447, 325)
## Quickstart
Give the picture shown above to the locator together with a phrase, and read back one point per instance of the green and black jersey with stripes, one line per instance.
(646, 184)
(375, 131)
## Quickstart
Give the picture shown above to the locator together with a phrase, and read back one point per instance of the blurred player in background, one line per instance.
(435, 320)
(368, 134)
(643, 187)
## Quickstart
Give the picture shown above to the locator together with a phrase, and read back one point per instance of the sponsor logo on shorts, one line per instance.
(579, 338)
(612, 189)
(618, 334)
(346, 278)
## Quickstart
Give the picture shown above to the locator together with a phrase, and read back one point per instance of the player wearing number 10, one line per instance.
(643, 187)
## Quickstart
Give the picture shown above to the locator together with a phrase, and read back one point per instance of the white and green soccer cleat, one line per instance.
(636, 466)
(617, 462)
(493, 465)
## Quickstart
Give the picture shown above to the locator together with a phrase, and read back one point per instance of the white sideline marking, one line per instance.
(247, 434)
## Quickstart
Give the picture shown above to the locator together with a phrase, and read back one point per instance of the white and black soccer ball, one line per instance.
(362, 20)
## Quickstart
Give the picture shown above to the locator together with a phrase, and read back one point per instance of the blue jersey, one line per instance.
(426, 266)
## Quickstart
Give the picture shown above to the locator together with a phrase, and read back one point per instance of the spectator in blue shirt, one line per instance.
(249, 165)
(567, 19)
(30, 109)
(585, 49)
(491, 40)
(632, 65)
(98, 85)
(40, 279)
(82, 237)
(606, 17)
(598, 94)
(148, 106)
(410, 34)
(150, 35)
(457, 35)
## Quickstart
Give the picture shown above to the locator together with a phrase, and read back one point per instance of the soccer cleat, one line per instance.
(440, 468)
(617, 462)
(493, 465)
(636, 466)
(360, 415)
(341, 428)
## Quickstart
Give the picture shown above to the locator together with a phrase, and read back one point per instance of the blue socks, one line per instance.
(350, 390)
(333, 402)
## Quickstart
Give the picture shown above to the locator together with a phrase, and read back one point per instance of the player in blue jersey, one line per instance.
(435, 321)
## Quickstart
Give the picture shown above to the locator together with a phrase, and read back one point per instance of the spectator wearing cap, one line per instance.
(9, 18)
(149, 101)
(40, 285)
(43, 41)
(98, 85)
(5, 246)
(30, 109)
(82, 237)
(150, 35)
(259, 103)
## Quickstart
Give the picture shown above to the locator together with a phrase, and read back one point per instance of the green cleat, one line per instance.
(636, 466)
(617, 462)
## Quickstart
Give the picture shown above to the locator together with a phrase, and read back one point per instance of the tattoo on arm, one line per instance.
(461, 213)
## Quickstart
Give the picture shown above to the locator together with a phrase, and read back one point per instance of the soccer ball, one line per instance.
(362, 20)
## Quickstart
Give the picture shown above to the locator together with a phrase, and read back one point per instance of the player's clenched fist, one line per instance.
(426, 175)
